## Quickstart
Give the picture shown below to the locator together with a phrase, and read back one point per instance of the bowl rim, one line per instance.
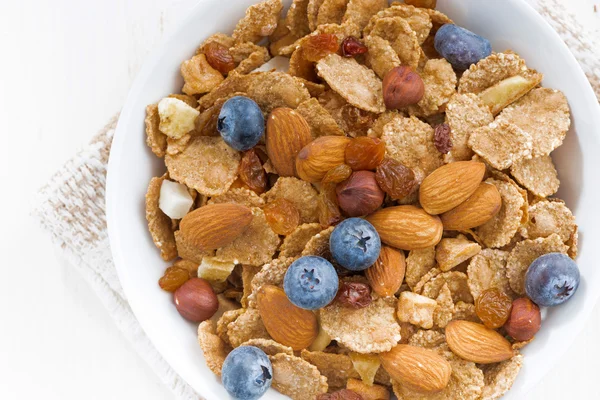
(118, 151)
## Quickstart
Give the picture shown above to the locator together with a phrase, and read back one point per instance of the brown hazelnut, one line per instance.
(195, 300)
(359, 194)
(402, 87)
(524, 321)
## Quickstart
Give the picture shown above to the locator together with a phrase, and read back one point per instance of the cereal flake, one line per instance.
(271, 273)
(199, 77)
(255, 246)
(155, 139)
(243, 196)
(337, 368)
(488, 270)
(440, 85)
(381, 56)
(260, 21)
(501, 228)
(548, 217)
(214, 349)
(501, 144)
(361, 11)
(500, 377)
(207, 165)
(465, 113)
(319, 120)
(525, 253)
(457, 283)
(357, 84)
(331, 12)
(538, 175)
(269, 346)
(297, 378)
(445, 307)
(489, 71)
(450, 252)
(295, 242)
(372, 329)
(246, 326)
(159, 224)
(300, 193)
(410, 142)
(401, 37)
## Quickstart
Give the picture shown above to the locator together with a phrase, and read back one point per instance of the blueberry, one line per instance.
(551, 279)
(241, 123)
(460, 46)
(310, 282)
(355, 244)
(247, 373)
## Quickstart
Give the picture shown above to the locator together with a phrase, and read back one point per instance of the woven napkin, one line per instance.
(71, 206)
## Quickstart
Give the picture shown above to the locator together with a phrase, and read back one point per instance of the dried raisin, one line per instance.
(252, 173)
(351, 46)
(443, 138)
(282, 216)
(327, 206)
(173, 278)
(365, 153)
(493, 307)
(337, 174)
(219, 57)
(354, 294)
(319, 46)
(395, 179)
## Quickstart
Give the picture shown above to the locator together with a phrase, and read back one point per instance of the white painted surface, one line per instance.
(66, 67)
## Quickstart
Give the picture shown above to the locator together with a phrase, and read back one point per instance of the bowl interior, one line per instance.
(509, 24)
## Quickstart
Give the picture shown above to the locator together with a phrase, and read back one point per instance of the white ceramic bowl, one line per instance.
(508, 24)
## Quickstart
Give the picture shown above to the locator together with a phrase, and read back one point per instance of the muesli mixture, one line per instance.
(358, 202)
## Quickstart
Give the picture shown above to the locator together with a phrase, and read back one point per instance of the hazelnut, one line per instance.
(402, 87)
(359, 194)
(195, 300)
(524, 321)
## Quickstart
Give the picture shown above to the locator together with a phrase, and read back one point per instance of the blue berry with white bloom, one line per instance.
(247, 373)
(461, 47)
(241, 123)
(551, 279)
(311, 282)
(355, 244)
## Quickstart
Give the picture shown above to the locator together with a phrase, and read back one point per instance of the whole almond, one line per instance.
(477, 343)
(417, 368)
(450, 185)
(287, 133)
(215, 225)
(407, 227)
(479, 208)
(387, 274)
(319, 156)
(286, 323)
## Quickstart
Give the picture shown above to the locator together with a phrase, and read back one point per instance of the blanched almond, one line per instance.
(450, 185)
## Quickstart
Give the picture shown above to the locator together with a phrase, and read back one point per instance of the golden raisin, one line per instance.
(365, 153)
(395, 179)
(252, 172)
(354, 294)
(337, 174)
(173, 278)
(327, 206)
(219, 57)
(319, 46)
(351, 46)
(493, 307)
(282, 216)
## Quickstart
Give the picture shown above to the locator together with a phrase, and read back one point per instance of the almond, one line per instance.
(477, 343)
(287, 324)
(215, 225)
(319, 156)
(479, 208)
(387, 274)
(450, 185)
(287, 133)
(417, 368)
(407, 227)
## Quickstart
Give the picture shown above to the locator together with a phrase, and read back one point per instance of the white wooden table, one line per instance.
(65, 69)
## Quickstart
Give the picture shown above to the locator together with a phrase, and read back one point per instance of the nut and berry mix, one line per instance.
(358, 203)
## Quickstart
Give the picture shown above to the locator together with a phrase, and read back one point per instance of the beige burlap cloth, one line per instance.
(71, 205)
